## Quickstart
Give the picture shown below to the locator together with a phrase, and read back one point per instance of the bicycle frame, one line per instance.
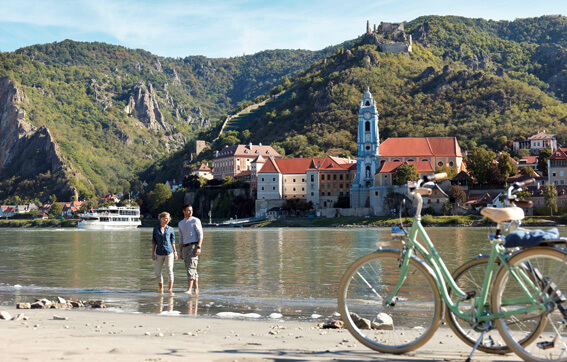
(443, 277)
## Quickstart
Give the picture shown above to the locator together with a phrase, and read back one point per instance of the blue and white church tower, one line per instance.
(364, 193)
(368, 143)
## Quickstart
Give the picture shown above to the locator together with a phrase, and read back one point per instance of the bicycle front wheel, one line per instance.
(403, 326)
(536, 268)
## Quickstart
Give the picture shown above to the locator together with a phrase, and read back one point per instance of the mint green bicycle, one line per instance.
(392, 301)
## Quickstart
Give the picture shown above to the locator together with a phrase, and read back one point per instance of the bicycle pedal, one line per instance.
(469, 295)
(546, 345)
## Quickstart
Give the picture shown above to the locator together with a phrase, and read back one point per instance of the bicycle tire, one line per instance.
(470, 277)
(415, 316)
(546, 261)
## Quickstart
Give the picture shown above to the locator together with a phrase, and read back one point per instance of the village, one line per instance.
(368, 185)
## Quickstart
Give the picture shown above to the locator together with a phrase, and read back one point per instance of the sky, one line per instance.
(228, 28)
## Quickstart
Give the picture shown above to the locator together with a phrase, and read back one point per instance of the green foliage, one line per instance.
(527, 171)
(542, 157)
(157, 199)
(55, 210)
(457, 194)
(406, 173)
(550, 198)
(478, 163)
(506, 165)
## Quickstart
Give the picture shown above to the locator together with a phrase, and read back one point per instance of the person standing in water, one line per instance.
(190, 241)
(163, 250)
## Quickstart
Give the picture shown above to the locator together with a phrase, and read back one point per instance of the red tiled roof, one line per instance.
(560, 153)
(420, 146)
(204, 167)
(293, 165)
(270, 167)
(421, 166)
(529, 159)
(542, 136)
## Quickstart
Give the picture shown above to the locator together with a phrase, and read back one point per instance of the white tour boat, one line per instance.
(111, 218)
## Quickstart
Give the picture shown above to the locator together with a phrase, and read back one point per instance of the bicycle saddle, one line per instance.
(503, 214)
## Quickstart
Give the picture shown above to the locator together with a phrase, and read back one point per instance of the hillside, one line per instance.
(104, 118)
(484, 82)
(112, 112)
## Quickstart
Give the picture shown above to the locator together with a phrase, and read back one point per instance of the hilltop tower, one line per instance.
(368, 143)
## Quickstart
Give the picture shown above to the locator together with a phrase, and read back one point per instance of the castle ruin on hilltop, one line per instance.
(388, 37)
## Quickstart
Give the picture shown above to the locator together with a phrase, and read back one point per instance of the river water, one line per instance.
(294, 272)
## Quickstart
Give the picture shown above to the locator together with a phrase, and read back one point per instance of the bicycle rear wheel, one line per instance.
(470, 277)
(366, 286)
(508, 295)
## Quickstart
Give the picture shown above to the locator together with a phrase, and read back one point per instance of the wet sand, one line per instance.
(86, 335)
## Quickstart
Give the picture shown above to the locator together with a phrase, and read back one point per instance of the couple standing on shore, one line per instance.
(190, 240)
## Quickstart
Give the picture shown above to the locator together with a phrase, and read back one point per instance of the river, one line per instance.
(294, 272)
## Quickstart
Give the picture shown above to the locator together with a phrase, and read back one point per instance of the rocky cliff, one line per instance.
(25, 150)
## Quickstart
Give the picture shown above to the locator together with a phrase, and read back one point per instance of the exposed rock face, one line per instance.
(25, 150)
(145, 103)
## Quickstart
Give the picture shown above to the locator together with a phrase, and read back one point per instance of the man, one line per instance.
(190, 240)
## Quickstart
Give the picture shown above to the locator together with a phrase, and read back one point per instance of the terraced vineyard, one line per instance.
(244, 118)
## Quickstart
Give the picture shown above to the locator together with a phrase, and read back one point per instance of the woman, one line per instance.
(163, 250)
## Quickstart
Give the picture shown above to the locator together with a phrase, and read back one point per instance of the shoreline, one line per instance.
(78, 335)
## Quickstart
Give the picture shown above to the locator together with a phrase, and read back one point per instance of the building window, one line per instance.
(274, 179)
(303, 189)
(328, 194)
(274, 188)
(335, 177)
(294, 189)
(367, 126)
(561, 173)
(262, 180)
(262, 188)
(451, 163)
(312, 194)
(375, 193)
(293, 180)
(347, 177)
(440, 163)
(322, 177)
(553, 174)
(312, 178)
(341, 186)
(302, 180)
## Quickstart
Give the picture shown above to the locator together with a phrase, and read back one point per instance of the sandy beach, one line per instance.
(81, 335)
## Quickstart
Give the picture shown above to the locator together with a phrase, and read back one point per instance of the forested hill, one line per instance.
(111, 112)
(114, 113)
(484, 82)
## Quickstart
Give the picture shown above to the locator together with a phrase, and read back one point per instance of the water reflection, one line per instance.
(293, 271)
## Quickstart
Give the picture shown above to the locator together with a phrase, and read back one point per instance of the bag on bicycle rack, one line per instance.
(526, 238)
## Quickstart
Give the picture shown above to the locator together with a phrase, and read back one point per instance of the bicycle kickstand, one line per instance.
(476, 345)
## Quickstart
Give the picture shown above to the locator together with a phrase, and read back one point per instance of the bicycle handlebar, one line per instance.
(521, 184)
(515, 187)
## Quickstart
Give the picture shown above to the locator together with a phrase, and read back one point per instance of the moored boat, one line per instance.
(111, 218)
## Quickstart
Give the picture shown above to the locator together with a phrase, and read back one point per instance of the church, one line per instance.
(377, 162)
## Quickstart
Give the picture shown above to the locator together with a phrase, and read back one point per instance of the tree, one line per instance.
(457, 194)
(55, 210)
(478, 163)
(550, 198)
(506, 165)
(157, 198)
(405, 173)
(494, 176)
(542, 157)
(527, 171)
(450, 171)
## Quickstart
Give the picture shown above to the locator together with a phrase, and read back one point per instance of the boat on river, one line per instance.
(111, 218)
